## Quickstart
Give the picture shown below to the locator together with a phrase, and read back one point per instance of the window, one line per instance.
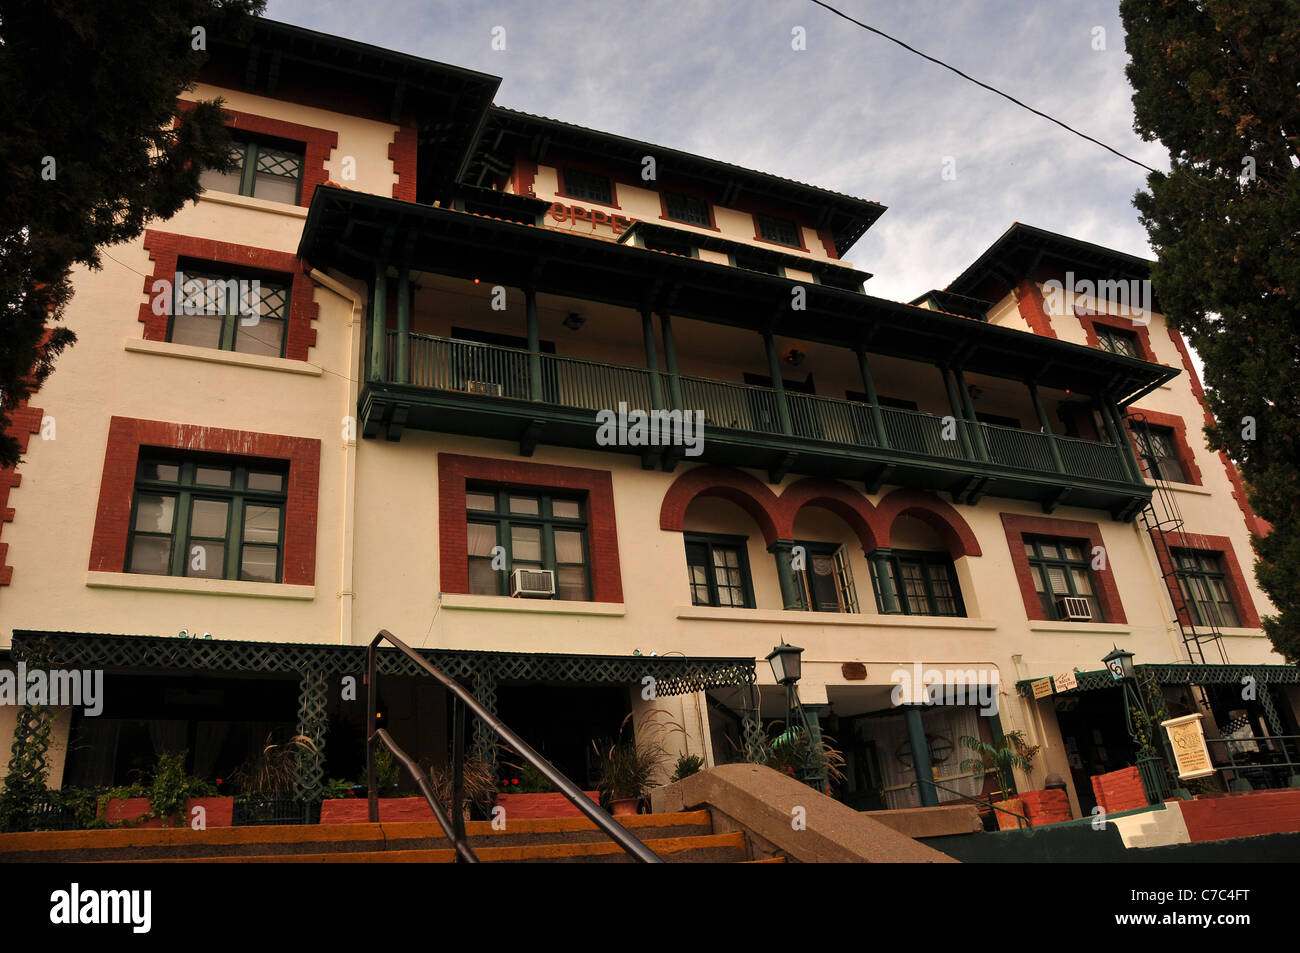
(1117, 341)
(230, 312)
(757, 263)
(719, 570)
(207, 517)
(1061, 568)
(1205, 588)
(779, 230)
(924, 583)
(687, 209)
(266, 170)
(534, 531)
(580, 184)
(826, 584)
(1157, 451)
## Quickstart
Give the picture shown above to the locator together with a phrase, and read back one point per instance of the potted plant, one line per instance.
(170, 797)
(480, 787)
(1002, 758)
(270, 776)
(788, 751)
(687, 764)
(628, 769)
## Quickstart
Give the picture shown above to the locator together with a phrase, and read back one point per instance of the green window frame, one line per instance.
(825, 584)
(718, 569)
(1158, 453)
(208, 517)
(1060, 568)
(267, 169)
(688, 209)
(536, 530)
(209, 307)
(782, 231)
(1205, 588)
(924, 583)
(1117, 341)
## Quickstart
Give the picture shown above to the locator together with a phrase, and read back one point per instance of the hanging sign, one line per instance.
(1187, 739)
(1042, 688)
(1065, 682)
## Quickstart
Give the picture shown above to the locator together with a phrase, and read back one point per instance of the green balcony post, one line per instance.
(534, 345)
(921, 763)
(959, 414)
(1119, 435)
(403, 348)
(981, 447)
(652, 357)
(670, 361)
(869, 385)
(884, 581)
(778, 385)
(379, 323)
(782, 550)
(1046, 424)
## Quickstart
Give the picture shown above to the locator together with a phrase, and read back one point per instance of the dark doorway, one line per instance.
(561, 721)
(1096, 738)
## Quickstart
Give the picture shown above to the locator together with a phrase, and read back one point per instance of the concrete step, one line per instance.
(128, 844)
(706, 848)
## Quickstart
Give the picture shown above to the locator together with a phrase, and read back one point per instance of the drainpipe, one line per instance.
(353, 366)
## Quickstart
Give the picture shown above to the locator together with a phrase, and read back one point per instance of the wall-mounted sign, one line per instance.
(1187, 738)
(576, 213)
(1065, 682)
(1042, 688)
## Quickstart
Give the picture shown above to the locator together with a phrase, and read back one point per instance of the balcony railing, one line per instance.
(444, 364)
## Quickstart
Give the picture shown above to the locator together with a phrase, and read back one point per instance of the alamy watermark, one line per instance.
(946, 686)
(61, 688)
(654, 428)
(1128, 299)
(199, 296)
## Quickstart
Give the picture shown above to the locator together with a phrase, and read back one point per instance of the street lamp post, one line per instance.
(1152, 765)
(787, 667)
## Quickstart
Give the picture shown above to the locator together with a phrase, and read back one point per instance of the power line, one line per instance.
(991, 89)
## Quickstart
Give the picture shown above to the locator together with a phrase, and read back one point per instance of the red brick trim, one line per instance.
(1247, 814)
(1090, 319)
(844, 502)
(828, 243)
(525, 175)
(1029, 300)
(1241, 597)
(728, 484)
(165, 248)
(1178, 425)
(402, 151)
(24, 420)
(1016, 526)
(126, 435)
(455, 470)
(1254, 524)
(932, 511)
(317, 142)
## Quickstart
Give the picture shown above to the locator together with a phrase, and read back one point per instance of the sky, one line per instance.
(851, 112)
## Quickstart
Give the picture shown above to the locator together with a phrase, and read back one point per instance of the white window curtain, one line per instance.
(944, 727)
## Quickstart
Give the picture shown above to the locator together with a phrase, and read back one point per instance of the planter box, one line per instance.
(350, 810)
(220, 812)
(1005, 821)
(1045, 807)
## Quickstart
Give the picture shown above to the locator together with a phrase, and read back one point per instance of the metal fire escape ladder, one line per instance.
(1163, 521)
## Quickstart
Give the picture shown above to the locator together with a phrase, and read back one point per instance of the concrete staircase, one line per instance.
(681, 837)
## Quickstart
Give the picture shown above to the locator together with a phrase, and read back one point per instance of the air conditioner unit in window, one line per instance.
(1074, 609)
(532, 584)
(491, 388)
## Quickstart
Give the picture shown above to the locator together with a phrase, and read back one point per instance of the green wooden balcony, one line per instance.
(506, 393)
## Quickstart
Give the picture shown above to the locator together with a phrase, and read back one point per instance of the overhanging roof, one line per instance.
(507, 131)
(1023, 250)
(351, 230)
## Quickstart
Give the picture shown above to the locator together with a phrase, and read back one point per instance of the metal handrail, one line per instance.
(454, 827)
(1021, 820)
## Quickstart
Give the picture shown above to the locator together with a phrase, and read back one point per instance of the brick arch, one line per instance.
(728, 484)
(934, 512)
(844, 502)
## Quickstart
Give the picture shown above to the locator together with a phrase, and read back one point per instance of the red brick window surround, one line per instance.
(317, 143)
(1090, 319)
(456, 470)
(1236, 581)
(1182, 449)
(126, 436)
(1016, 528)
(167, 248)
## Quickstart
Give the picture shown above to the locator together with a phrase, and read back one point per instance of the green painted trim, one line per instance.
(741, 544)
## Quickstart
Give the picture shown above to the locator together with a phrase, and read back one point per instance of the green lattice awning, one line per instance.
(1189, 674)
